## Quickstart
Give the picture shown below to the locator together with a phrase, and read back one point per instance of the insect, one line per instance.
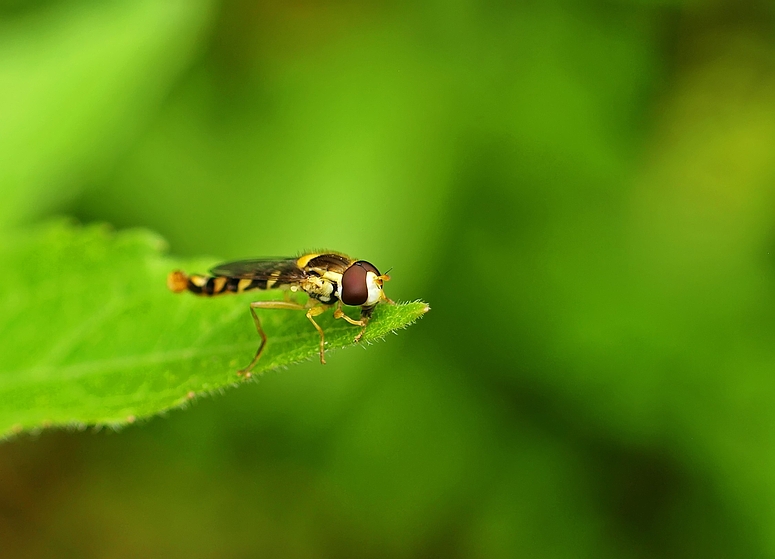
(329, 278)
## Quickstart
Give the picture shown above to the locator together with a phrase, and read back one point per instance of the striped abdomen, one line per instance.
(208, 286)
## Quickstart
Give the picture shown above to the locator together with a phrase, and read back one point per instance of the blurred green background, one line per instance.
(583, 192)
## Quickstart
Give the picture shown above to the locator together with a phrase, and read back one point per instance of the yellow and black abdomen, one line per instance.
(209, 286)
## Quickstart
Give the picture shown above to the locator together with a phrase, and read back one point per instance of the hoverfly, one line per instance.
(329, 278)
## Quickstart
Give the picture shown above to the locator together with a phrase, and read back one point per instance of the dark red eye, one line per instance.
(355, 291)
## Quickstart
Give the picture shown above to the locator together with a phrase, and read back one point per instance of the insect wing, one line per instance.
(284, 269)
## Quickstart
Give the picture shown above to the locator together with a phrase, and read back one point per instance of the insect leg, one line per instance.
(312, 312)
(364, 322)
(265, 305)
(339, 313)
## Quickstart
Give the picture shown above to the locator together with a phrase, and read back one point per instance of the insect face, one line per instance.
(362, 284)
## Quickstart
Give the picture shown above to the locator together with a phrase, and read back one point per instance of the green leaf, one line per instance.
(90, 334)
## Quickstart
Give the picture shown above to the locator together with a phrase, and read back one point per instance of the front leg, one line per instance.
(364, 321)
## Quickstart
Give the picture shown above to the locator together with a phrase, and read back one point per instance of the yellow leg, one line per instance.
(360, 334)
(339, 313)
(266, 305)
(315, 311)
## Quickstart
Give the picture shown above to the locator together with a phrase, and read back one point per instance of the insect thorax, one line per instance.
(321, 288)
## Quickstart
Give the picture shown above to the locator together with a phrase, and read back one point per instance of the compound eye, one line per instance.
(355, 290)
(368, 266)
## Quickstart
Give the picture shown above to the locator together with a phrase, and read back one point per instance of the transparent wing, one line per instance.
(282, 269)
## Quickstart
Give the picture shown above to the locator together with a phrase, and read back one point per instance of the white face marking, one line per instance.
(375, 291)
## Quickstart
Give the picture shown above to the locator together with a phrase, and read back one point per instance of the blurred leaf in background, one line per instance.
(581, 190)
(78, 81)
